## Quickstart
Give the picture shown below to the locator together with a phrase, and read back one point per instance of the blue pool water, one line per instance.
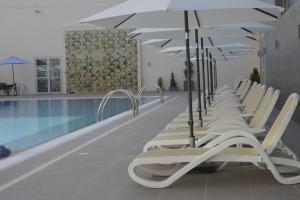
(26, 123)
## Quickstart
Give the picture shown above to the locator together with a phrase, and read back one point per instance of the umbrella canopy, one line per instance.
(228, 58)
(225, 51)
(227, 33)
(168, 13)
(157, 33)
(240, 29)
(229, 46)
(215, 53)
(155, 41)
(12, 60)
(218, 41)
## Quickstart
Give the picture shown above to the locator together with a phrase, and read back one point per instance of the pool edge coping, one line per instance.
(68, 97)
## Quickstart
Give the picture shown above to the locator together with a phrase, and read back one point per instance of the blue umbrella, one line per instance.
(13, 61)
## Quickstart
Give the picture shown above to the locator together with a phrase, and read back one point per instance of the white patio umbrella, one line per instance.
(168, 13)
(155, 41)
(215, 53)
(175, 14)
(240, 29)
(157, 33)
(237, 46)
(225, 53)
(219, 58)
(166, 43)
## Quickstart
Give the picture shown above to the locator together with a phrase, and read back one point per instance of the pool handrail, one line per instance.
(22, 88)
(158, 89)
(133, 99)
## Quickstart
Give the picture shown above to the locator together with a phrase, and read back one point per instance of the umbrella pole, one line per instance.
(188, 62)
(203, 76)
(211, 77)
(198, 77)
(13, 73)
(216, 75)
(207, 74)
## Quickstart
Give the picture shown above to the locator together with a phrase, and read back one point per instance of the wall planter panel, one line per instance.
(100, 61)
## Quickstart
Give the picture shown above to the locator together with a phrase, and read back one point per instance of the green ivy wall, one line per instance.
(100, 61)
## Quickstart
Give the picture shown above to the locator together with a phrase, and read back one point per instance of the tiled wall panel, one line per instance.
(100, 61)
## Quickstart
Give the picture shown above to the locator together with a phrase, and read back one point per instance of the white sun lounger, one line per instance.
(176, 163)
(181, 138)
(223, 112)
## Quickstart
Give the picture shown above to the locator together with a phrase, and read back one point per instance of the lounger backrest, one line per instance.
(245, 90)
(250, 93)
(279, 126)
(252, 106)
(253, 123)
(240, 89)
(237, 83)
(265, 109)
(246, 87)
(251, 97)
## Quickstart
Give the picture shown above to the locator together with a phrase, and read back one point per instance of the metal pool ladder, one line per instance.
(162, 99)
(133, 99)
(22, 88)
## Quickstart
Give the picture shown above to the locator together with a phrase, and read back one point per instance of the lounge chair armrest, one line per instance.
(240, 140)
(227, 128)
(228, 135)
(246, 115)
(255, 131)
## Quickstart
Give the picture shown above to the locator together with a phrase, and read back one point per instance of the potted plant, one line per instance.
(160, 83)
(173, 84)
(185, 74)
(255, 77)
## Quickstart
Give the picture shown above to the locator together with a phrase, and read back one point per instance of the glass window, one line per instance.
(55, 85)
(41, 68)
(54, 67)
(42, 85)
(48, 74)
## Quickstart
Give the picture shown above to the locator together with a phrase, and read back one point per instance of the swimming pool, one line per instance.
(26, 123)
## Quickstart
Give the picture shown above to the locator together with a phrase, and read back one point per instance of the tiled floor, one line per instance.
(99, 170)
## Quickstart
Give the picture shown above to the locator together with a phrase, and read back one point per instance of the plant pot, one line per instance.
(172, 89)
(185, 85)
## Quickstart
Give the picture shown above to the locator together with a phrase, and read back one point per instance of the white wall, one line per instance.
(155, 65)
(228, 72)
